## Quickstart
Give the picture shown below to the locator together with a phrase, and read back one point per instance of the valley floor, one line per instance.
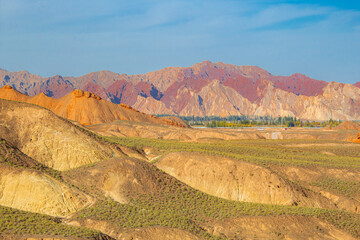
(127, 180)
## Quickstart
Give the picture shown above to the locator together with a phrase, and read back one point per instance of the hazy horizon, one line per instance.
(71, 38)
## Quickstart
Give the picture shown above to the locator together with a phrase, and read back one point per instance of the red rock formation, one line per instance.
(299, 84)
(148, 90)
(95, 88)
(55, 86)
(122, 92)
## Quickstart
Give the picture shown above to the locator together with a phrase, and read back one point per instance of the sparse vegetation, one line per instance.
(182, 207)
(263, 152)
(12, 156)
(171, 203)
(346, 188)
(25, 223)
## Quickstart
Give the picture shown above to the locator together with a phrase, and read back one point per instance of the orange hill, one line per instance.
(87, 108)
(357, 140)
(349, 125)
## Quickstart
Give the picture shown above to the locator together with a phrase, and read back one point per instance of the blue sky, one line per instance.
(73, 37)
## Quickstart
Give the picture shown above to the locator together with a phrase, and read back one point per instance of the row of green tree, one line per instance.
(253, 121)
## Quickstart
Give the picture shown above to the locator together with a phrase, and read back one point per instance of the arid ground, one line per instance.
(140, 180)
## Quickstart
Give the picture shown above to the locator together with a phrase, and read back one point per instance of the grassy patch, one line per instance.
(18, 222)
(346, 188)
(180, 206)
(262, 152)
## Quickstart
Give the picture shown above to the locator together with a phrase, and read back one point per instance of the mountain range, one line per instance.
(205, 89)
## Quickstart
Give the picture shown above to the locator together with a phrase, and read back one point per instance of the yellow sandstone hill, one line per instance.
(235, 180)
(27, 185)
(87, 108)
(49, 139)
(33, 191)
(117, 178)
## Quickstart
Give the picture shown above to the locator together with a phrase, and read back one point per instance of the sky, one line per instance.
(318, 38)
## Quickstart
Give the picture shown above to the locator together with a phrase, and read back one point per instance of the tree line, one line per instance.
(253, 121)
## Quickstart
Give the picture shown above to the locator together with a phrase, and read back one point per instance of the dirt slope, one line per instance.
(235, 180)
(48, 139)
(117, 178)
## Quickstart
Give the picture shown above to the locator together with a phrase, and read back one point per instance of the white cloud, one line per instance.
(281, 13)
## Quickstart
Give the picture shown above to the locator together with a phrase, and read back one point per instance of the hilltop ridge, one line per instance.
(86, 108)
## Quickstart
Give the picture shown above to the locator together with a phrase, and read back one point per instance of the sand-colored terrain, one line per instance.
(235, 180)
(34, 191)
(217, 186)
(49, 139)
(117, 178)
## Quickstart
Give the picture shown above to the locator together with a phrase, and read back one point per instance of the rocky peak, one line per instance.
(80, 93)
